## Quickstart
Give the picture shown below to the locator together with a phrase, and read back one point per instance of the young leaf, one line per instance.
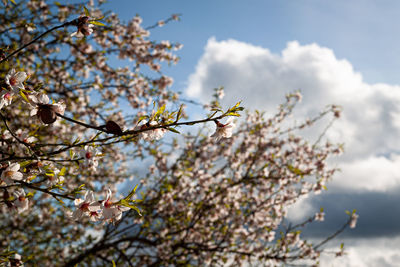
(96, 23)
(130, 195)
(173, 130)
(86, 11)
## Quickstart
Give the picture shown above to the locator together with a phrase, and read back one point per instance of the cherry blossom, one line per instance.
(151, 135)
(24, 137)
(85, 206)
(111, 211)
(223, 130)
(46, 112)
(353, 222)
(89, 154)
(83, 28)
(21, 202)
(320, 216)
(11, 173)
(16, 260)
(5, 98)
(15, 80)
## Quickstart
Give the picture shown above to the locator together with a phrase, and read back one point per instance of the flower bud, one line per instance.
(113, 127)
(46, 114)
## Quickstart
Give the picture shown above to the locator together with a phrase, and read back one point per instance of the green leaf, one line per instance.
(178, 116)
(233, 114)
(102, 17)
(130, 195)
(237, 105)
(24, 96)
(62, 171)
(160, 111)
(86, 11)
(173, 130)
(13, 1)
(113, 262)
(142, 118)
(126, 203)
(96, 23)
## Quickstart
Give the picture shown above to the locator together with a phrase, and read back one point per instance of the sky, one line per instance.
(336, 52)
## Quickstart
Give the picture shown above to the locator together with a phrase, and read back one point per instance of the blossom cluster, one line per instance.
(104, 210)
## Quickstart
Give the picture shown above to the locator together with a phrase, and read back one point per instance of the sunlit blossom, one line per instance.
(5, 98)
(223, 130)
(85, 206)
(111, 211)
(89, 155)
(11, 173)
(83, 27)
(151, 135)
(15, 79)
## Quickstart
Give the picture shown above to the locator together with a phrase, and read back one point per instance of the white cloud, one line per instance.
(369, 252)
(375, 173)
(369, 127)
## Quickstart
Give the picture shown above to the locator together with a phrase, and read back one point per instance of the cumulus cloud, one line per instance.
(370, 124)
(372, 252)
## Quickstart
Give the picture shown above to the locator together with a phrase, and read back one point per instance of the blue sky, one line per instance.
(337, 52)
(364, 32)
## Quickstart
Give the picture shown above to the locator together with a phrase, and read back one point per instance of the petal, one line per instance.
(14, 167)
(109, 194)
(11, 72)
(44, 99)
(21, 76)
(33, 112)
(77, 201)
(95, 206)
(17, 176)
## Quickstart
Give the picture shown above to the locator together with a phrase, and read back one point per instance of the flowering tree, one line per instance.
(74, 124)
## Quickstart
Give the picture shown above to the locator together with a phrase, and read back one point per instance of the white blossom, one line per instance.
(353, 221)
(85, 206)
(15, 79)
(112, 212)
(89, 154)
(21, 202)
(224, 130)
(320, 216)
(5, 98)
(11, 173)
(151, 135)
